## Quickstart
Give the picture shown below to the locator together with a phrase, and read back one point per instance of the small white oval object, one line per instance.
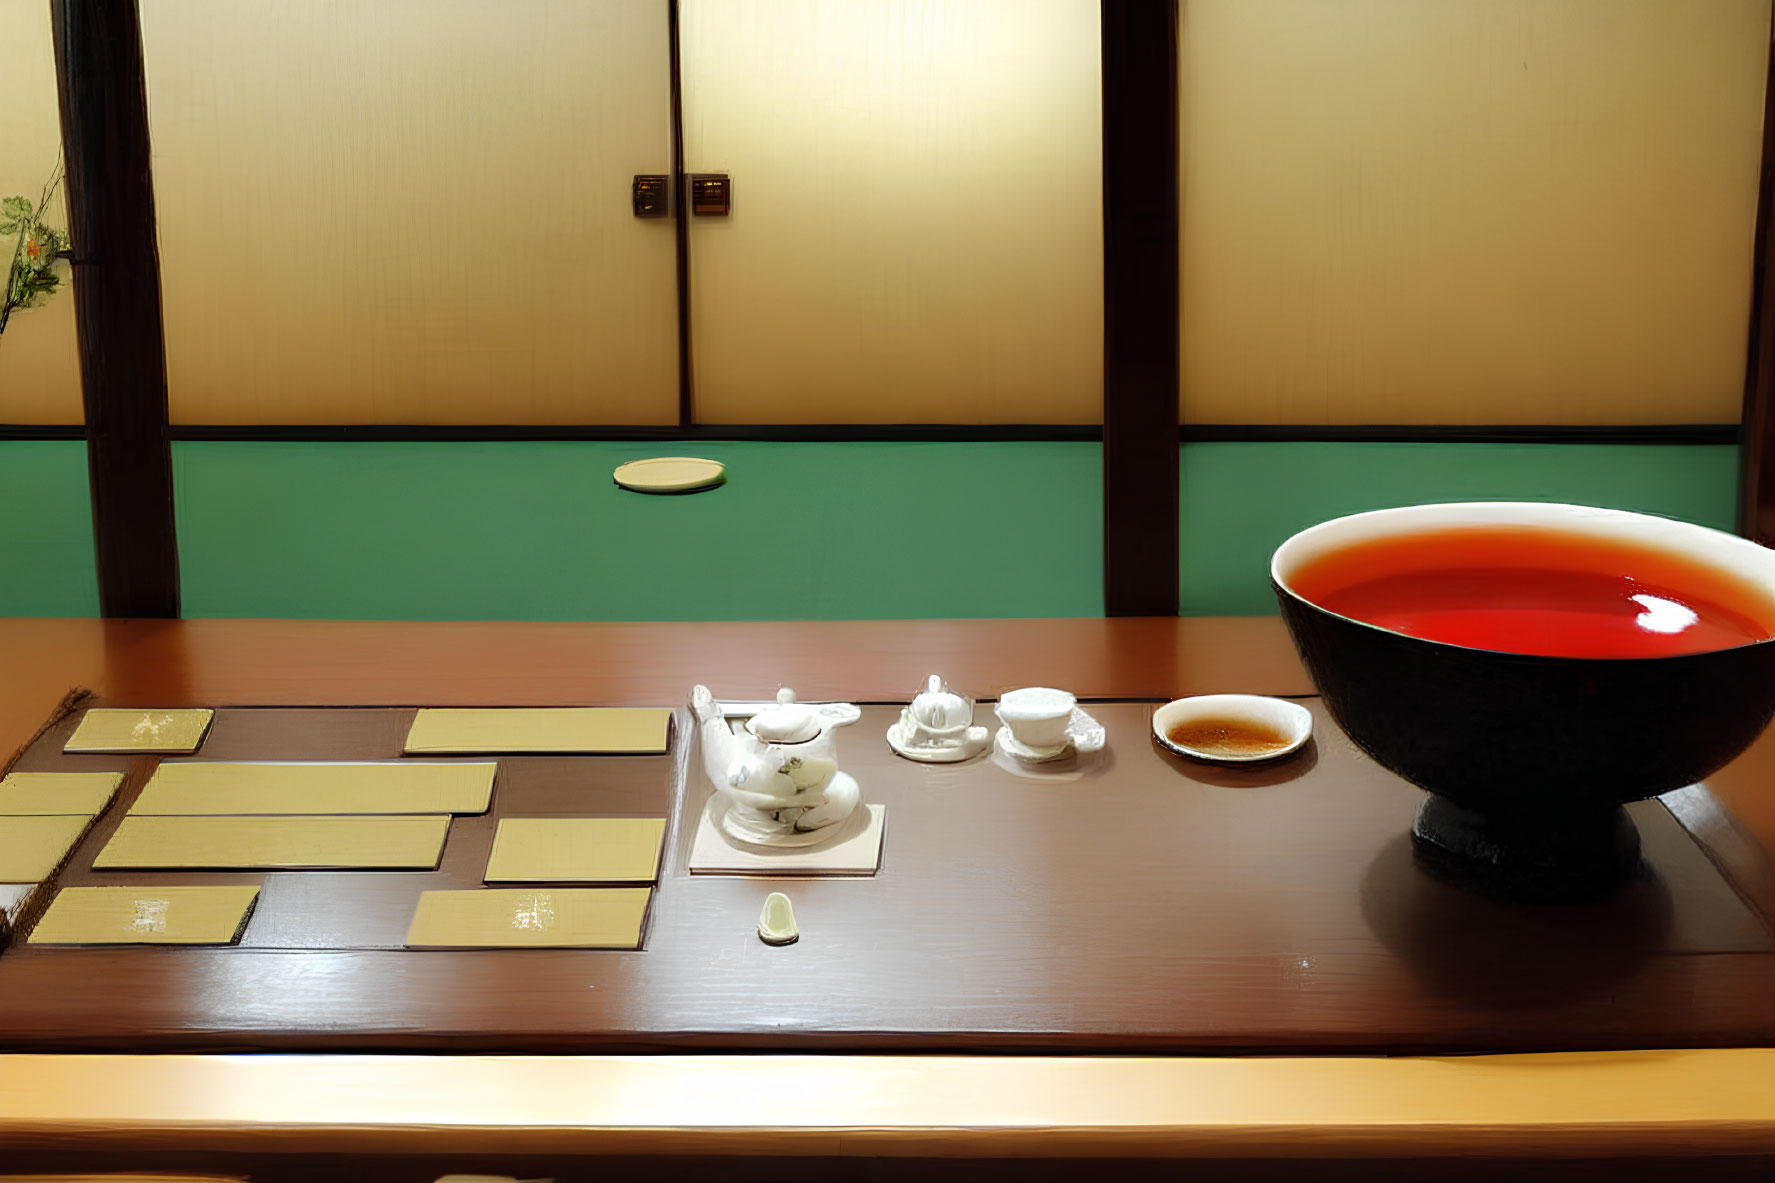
(670, 474)
(1289, 718)
(776, 923)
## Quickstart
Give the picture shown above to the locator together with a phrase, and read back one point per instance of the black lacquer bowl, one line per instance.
(1529, 759)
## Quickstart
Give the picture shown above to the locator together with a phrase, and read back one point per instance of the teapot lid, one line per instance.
(787, 722)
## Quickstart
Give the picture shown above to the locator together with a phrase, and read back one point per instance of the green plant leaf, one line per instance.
(16, 208)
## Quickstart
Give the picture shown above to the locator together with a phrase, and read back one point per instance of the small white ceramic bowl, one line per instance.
(1289, 718)
(1036, 715)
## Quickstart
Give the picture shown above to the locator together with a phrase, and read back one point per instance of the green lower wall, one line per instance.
(46, 558)
(1242, 500)
(536, 531)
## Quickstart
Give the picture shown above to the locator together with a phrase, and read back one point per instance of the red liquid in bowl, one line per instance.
(1540, 591)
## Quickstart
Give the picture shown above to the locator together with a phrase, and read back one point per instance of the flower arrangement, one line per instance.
(32, 277)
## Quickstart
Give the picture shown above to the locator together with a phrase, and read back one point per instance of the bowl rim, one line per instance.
(1296, 711)
(1036, 713)
(1430, 509)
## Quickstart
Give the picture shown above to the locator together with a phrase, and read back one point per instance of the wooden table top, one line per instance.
(226, 663)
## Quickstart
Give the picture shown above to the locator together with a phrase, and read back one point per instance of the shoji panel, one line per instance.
(39, 356)
(412, 211)
(916, 232)
(1468, 211)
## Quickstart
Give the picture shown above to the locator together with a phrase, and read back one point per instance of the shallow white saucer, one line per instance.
(1290, 719)
(978, 741)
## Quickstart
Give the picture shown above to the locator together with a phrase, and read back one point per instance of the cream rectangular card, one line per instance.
(530, 917)
(631, 730)
(270, 843)
(63, 793)
(393, 787)
(575, 849)
(210, 915)
(108, 730)
(855, 851)
(31, 848)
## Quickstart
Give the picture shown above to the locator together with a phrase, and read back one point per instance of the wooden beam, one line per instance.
(1140, 308)
(104, 106)
(1756, 465)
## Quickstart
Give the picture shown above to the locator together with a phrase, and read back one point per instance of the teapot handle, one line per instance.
(703, 704)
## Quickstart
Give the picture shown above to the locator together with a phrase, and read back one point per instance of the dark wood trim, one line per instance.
(1723, 434)
(1682, 433)
(681, 223)
(1679, 433)
(1140, 308)
(42, 431)
(1756, 471)
(110, 190)
(796, 433)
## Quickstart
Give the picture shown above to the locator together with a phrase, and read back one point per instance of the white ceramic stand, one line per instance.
(755, 827)
(977, 740)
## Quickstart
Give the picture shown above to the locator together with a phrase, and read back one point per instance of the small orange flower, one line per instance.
(34, 249)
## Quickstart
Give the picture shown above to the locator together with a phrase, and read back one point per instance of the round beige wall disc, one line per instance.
(670, 474)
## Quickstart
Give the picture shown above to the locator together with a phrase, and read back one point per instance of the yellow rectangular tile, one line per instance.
(31, 848)
(204, 915)
(270, 843)
(338, 788)
(587, 850)
(64, 793)
(545, 918)
(108, 730)
(551, 729)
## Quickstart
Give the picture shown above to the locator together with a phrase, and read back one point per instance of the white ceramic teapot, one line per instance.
(778, 773)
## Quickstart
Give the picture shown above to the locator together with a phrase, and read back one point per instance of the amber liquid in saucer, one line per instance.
(1228, 737)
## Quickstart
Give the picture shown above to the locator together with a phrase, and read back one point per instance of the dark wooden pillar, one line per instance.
(1140, 325)
(98, 52)
(1756, 465)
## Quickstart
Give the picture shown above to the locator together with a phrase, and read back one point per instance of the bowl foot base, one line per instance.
(1544, 860)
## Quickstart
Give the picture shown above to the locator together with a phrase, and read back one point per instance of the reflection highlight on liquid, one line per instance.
(1663, 616)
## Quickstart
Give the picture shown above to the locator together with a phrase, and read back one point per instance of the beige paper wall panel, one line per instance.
(158, 915)
(39, 354)
(408, 787)
(63, 793)
(917, 210)
(1468, 211)
(412, 211)
(251, 843)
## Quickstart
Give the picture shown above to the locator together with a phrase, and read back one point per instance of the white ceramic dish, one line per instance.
(1289, 718)
(974, 741)
(670, 474)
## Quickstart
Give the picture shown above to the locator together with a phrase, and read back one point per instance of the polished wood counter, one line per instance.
(172, 1112)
